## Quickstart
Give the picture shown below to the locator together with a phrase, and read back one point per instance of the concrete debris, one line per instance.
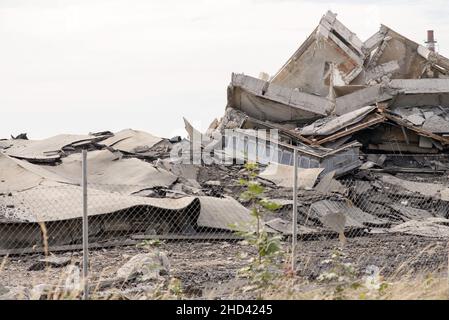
(50, 262)
(145, 266)
(232, 119)
(350, 110)
(266, 101)
(433, 190)
(107, 170)
(109, 212)
(22, 136)
(430, 227)
(20, 175)
(410, 213)
(136, 142)
(336, 221)
(371, 81)
(223, 213)
(241, 144)
(354, 216)
(285, 227)
(282, 175)
(331, 42)
(416, 119)
(328, 184)
(329, 126)
(48, 150)
(14, 293)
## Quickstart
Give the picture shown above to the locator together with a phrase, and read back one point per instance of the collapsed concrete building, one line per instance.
(389, 94)
(133, 189)
(348, 108)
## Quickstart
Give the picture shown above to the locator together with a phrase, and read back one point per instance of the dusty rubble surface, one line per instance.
(209, 270)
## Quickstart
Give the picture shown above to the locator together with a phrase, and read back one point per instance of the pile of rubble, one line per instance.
(353, 111)
(337, 96)
(134, 190)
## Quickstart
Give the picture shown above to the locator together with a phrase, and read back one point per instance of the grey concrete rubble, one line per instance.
(348, 107)
(368, 120)
(145, 266)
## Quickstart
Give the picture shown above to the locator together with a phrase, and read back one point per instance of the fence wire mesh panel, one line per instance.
(373, 226)
(194, 240)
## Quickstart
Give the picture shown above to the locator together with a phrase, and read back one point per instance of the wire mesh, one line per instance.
(394, 231)
(386, 228)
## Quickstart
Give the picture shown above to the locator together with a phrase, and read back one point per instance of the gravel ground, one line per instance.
(202, 267)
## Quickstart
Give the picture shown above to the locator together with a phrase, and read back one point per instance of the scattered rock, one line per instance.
(51, 262)
(212, 183)
(14, 293)
(146, 266)
(431, 227)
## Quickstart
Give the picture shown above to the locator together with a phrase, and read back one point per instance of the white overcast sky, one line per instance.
(79, 66)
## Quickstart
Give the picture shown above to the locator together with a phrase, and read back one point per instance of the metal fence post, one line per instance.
(85, 229)
(295, 209)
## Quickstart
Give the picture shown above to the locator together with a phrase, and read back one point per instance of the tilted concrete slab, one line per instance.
(362, 98)
(395, 47)
(46, 150)
(282, 175)
(308, 68)
(420, 92)
(375, 40)
(265, 101)
(132, 141)
(110, 171)
(420, 86)
(333, 124)
(107, 171)
(19, 175)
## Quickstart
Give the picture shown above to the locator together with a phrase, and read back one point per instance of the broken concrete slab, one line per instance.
(410, 213)
(111, 171)
(331, 125)
(187, 171)
(145, 266)
(328, 184)
(395, 47)
(282, 176)
(361, 98)
(355, 217)
(430, 227)
(240, 144)
(110, 213)
(416, 119)
(107, 171)
(47, 150)
(309, 69)
(436, 124)
(425, 142)
(264, 101)
(285, 227)
(50, 262)
(44, 204)
(223, 213)
(232, 119)
(420, 86)
(375, 40)
(375, 74)
(19, 175)
(335, 221)
(433, 190)
(134, 141)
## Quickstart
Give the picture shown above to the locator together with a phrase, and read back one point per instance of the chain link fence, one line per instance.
(193, 238)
